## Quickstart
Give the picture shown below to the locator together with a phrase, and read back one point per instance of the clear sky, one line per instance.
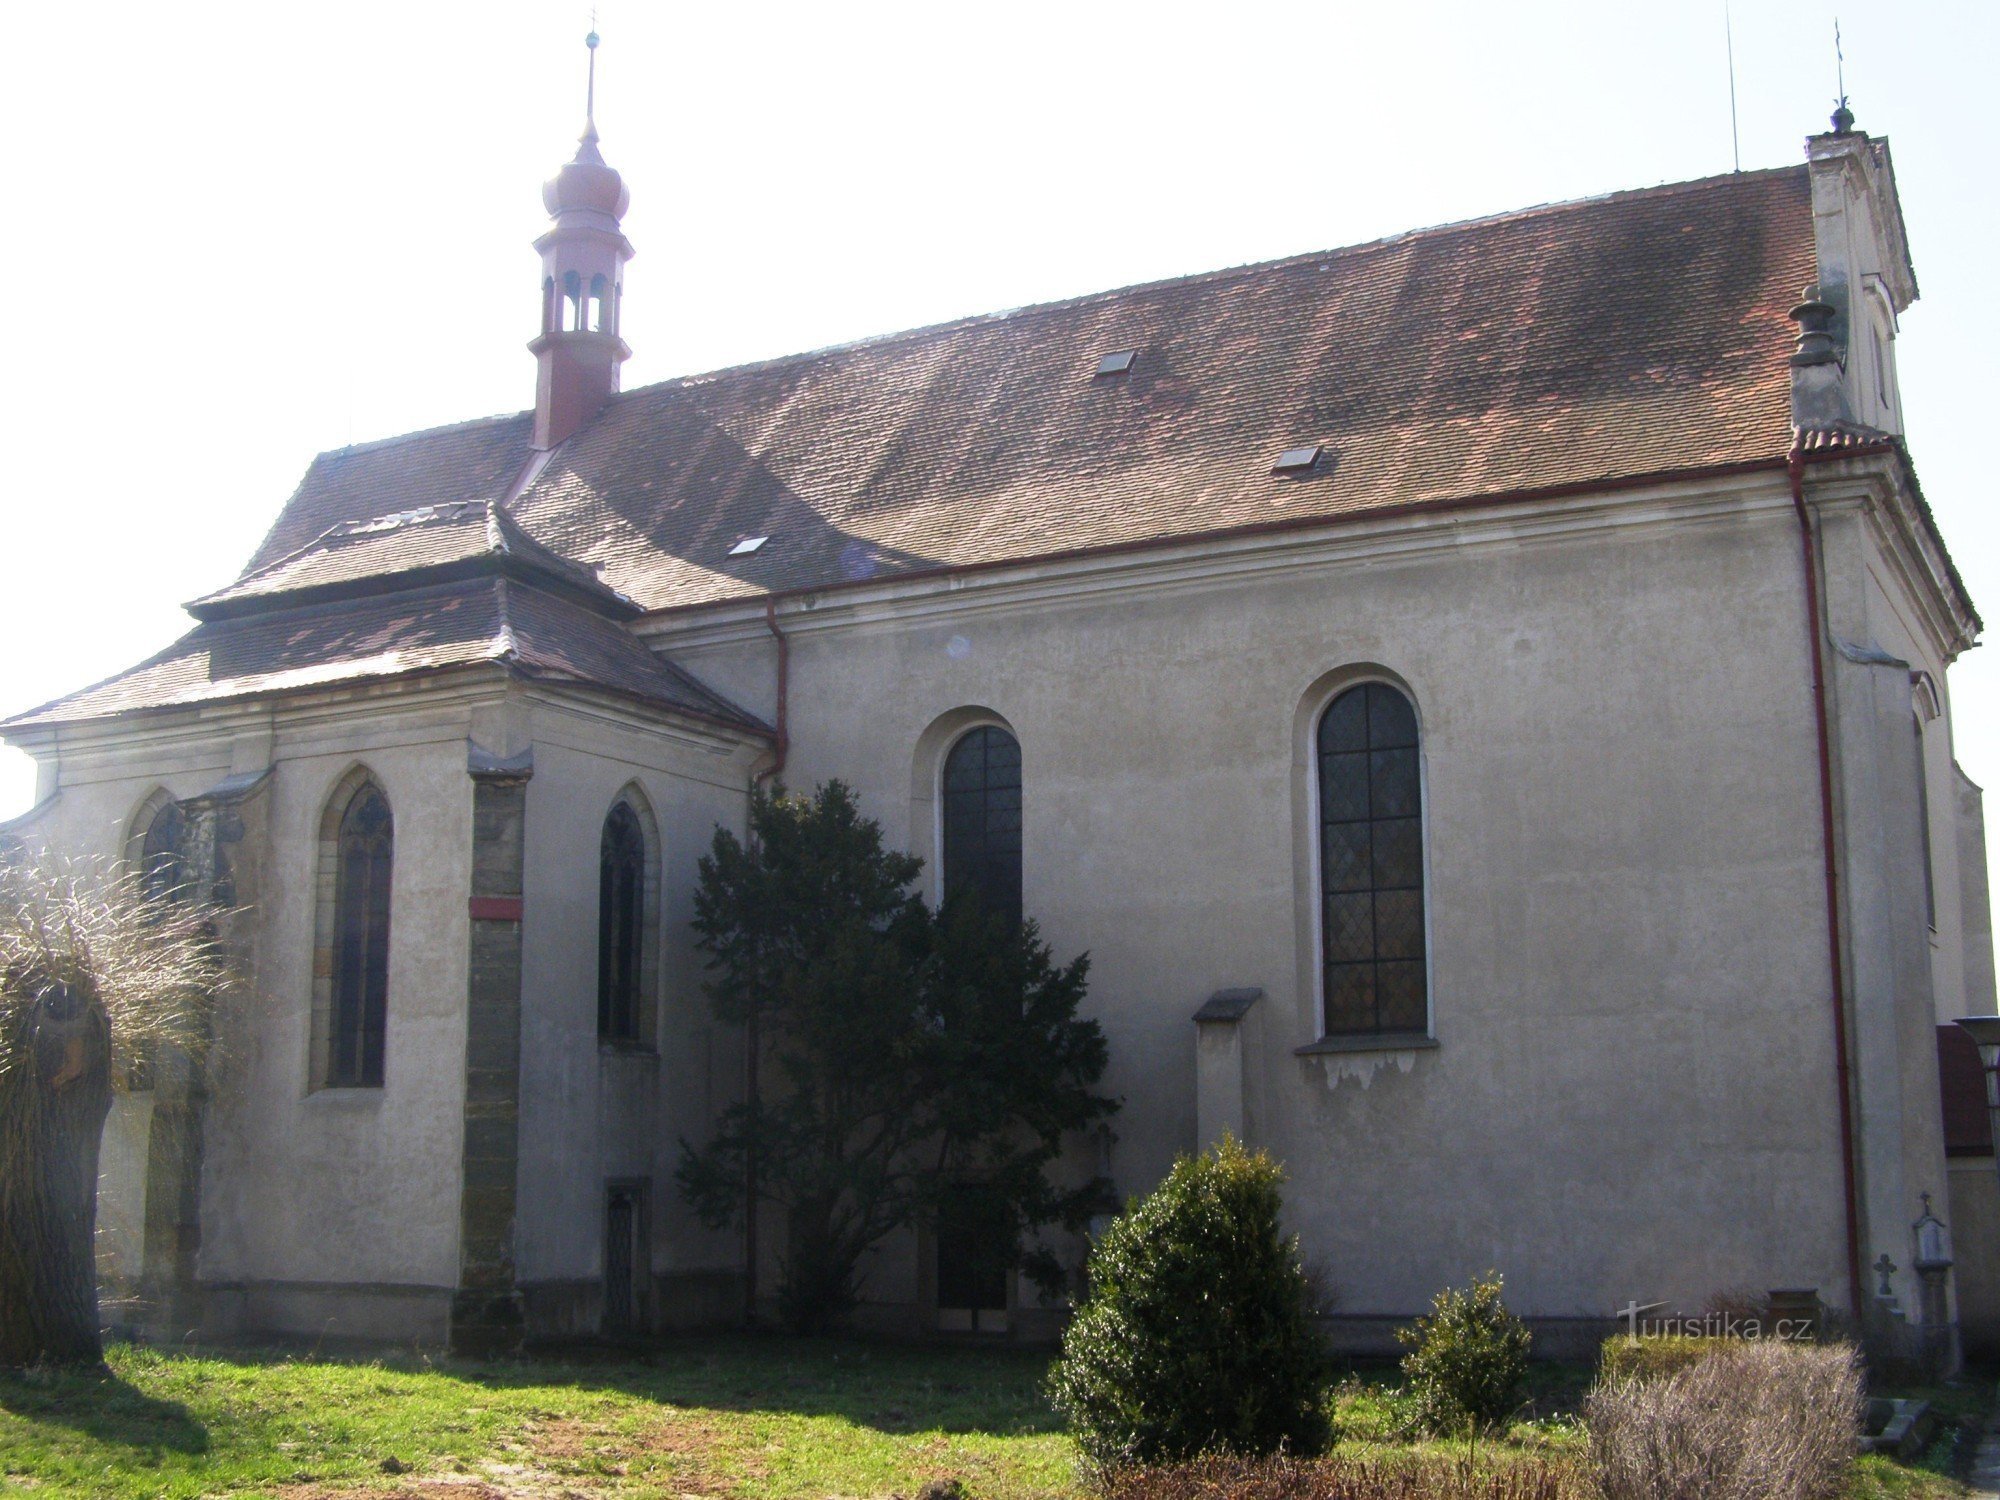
(239, 234)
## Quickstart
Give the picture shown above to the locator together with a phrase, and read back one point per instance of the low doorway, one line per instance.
(973, 1232)
(624, 1257)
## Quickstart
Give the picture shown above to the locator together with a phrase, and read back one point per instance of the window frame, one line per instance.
(323, 1074)
(158, 804)
(621, 986)
(364, 1004)
(1313, 708)
(959, 733)
(139, 833)
(646, 998)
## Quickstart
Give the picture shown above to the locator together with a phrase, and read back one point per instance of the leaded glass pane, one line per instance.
(1345, 726)
(1391, 720)
(1343, 783)
(1399, 993)
(1398, 853)
(1350, 927)
(965, 770)
(1399, 924)
(1345, 857)
(1392, 782)
(1350, 998)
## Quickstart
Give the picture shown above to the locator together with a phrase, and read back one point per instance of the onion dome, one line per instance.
(586, 184)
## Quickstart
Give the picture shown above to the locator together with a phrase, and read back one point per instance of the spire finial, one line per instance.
(1843, 117)
(590, 89)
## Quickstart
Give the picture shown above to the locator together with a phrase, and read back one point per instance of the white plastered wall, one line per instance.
(1632, 1095)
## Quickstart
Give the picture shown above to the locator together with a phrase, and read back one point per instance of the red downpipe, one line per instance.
(1795, 466)
(752, 1042)
(784, 743)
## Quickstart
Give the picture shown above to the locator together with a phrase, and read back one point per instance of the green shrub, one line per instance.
(1197, 1334)
(1467, 1360)
(1652, 1356)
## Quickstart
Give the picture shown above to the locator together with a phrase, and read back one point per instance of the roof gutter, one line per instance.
(753, 1045)
(1795, 468)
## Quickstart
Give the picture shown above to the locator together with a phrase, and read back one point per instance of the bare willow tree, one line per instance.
(97, 975)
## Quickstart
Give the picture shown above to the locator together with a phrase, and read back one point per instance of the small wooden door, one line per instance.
(622, 1259)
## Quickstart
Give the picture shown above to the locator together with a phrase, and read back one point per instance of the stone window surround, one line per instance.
(933, 747)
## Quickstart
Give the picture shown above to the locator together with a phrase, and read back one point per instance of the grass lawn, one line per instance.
(716, 1417)
(766, 1417)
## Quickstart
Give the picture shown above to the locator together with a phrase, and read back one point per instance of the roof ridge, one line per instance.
(464, 425)
(510, 648)
(1195, 278)
(338, 528)
(275, 563)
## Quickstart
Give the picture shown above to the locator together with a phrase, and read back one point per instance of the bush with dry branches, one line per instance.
(1225, 1477)
(96, 976)
(1751, 1420)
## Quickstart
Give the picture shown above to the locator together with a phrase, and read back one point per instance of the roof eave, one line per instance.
(1290, 524)
(22, 730)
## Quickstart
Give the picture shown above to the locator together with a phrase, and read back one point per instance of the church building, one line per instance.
(1479, 697)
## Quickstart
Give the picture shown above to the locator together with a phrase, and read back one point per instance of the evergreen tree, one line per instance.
(904, 1054)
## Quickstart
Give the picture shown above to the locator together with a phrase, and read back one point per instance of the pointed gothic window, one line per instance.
(1371, 864)
(162, 864)
(364, 855)
(982, 821)
(621, 925)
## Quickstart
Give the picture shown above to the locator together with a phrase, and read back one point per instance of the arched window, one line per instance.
(982, 821)
(159, 850)
(364, 857)
(1371, 864)
(621, 925)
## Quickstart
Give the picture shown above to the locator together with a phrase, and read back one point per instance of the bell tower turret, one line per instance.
(578, 351)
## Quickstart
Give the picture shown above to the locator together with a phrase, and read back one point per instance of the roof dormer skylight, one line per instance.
(1118, 363)
(748, 545)
(1296, 461)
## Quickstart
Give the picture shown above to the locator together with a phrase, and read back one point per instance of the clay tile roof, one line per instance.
(1841, 436)
(1623, 336)
(1617, 337)
(433, 543)
(482, 621)
(468, 461)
